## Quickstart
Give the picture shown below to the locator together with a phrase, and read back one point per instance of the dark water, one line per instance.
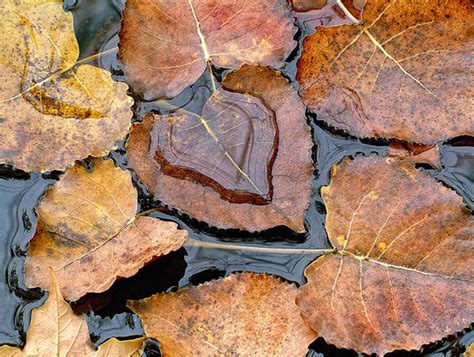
(96, 24)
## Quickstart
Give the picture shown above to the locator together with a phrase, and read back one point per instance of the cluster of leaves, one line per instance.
(400, 271)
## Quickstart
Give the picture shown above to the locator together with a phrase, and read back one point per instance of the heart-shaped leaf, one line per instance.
(218, 165)
(165, 46)
(403, 72)
(402, 273)
(53, 110)
(245, 314)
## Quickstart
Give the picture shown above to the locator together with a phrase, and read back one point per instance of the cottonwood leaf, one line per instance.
(56, 331)
(403, 259)
(243, 314)
(404, 72)
(53, 110)
(220, 167)
(164, 46)
(89, 234)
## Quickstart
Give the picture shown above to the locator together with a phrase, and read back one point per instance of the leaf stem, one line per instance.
(197, 243)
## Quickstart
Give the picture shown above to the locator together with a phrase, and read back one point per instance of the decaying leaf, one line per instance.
(219, 164)
(56, 331)
(53, 110)
(89, 234)
(404, 72)
(246, 314)
(402, 272)
(420, 154)
(165, 46)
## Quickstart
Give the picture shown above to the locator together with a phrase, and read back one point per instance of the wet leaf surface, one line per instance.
(56, 331)
(165, 46)
(92, 240)
(244, 314)
(53, 110)
(403, 72)
(403, 258)
(291, 173)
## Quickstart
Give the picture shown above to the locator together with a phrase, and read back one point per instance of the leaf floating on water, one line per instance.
(89, 234)
(233, 192)
(56, 331)
(244, 314)
(54, 110)
(405, 72)
(165, 46)
(404, 260)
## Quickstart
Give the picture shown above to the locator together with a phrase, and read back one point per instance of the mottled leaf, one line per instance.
(245, 314)
(165, 45)
(89, 234)
(402, 271)
(237, 187)
(53, 110)
(56, 331)
(404, 72)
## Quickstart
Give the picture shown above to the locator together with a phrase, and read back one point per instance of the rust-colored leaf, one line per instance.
(56, 331)
(53, 110)
(402, 272)
(419, 154)
(404, 72)
(217, 192)
(164, 46)
(89, 234)
(245, 314)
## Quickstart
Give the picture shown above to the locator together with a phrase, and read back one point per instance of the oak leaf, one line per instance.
(56, 331)
(402, 271)
(53, 109)
(230, 148)
(165, 48)
(89, 234)
(404, 72)
(243, 314)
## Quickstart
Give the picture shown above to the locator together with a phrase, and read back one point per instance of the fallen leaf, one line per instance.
(245, 314)
(222, 194)
(405, 72)
(53, 109)
(164, 47)
(56, 331)
(89, 234)
(402, 272)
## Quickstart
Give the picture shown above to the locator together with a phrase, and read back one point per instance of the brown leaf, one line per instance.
(56, 331)
(53, 109)
(405, 72)
(244, 314)
(165, 46)
(291, 174)
(89, 234)
(419, 154)
(402, 273)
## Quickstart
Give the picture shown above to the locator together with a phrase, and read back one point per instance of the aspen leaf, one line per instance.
(403, 72)
(53, 110)
(245, 162)
(56, 331)
(402, 271)
(245, 314)
(165, 45)
(89, 234)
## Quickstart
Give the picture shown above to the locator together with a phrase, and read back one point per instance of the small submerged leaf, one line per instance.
(220, 167)
(56, 331)
(89, 234)
(164, 46)
(245, 314)
(404, 260)
(53, 110)
(404, 72)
